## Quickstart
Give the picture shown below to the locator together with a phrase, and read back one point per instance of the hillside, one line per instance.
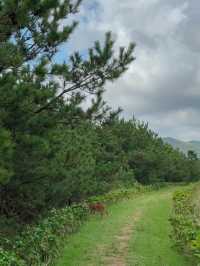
(183, 145)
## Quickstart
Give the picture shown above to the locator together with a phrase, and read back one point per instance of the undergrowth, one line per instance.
(40, 244)
(185, 221)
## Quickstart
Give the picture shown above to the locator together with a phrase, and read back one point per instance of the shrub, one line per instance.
(40, 244)
(186, 229)
(124, 193)
(9, 259)
(116, 195)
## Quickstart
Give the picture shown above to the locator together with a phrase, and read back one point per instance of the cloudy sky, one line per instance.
(163, 85)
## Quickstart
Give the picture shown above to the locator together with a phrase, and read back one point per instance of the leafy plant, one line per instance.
(10, 259)
(186, 227)
(40, 244)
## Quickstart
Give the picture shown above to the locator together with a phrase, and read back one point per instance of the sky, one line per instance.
(162, 87)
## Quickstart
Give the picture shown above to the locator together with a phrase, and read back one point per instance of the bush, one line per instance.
(124, 193)
(186, 228)
(116, 195)
(9, 259)
(40, 244)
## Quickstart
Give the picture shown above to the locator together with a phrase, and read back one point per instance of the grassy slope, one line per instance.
(149, 245)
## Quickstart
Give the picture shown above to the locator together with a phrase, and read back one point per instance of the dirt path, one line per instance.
(122, 243)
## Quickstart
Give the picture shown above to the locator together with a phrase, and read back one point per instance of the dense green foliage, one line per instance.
(186, 220)
(50, 146)
(9, 259)
(40, 244)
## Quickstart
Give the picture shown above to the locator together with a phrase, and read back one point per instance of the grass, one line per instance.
(96, 236)
(149, 244)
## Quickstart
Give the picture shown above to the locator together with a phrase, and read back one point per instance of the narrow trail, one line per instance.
(122, 243)
(135, 233)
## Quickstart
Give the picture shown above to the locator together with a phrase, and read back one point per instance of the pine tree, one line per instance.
(40, 101)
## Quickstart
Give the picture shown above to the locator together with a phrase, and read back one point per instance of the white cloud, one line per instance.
(163, 84)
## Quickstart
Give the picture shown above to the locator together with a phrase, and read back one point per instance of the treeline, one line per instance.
(70, 163)
(53, 151)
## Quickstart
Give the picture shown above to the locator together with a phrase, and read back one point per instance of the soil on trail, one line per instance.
(118, 258)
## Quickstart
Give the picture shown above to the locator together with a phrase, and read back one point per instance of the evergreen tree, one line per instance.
(193, 165)
(37, 119)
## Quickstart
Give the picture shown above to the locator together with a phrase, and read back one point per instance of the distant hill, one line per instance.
(183, 145)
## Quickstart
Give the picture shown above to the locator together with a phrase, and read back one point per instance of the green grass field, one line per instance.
(151, 244)
(135, 233)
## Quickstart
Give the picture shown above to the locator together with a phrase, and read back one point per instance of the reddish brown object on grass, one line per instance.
(97, 208)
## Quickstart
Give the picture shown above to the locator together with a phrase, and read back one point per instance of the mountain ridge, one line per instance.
(184, 146)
